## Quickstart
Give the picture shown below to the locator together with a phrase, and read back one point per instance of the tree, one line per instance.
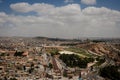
(65, 73)
(18, 53)
(54, 52)
(73, 60)
(2, 54)
(50, 66)
(13, 79)
(110, 72)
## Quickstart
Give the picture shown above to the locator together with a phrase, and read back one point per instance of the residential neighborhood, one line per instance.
(39, 59)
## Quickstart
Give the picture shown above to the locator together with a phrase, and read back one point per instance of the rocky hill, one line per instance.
(106, 49)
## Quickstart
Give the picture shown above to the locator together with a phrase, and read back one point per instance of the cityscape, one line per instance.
(59, 39)
(42, 58)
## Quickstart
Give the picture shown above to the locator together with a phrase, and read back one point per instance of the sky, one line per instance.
(60, 18)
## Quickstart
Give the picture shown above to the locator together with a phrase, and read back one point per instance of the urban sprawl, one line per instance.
(41, 58)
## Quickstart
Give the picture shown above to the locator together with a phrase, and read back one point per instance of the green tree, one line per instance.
(54, 52)
(110, 72)
(50, 66)
(13, 79)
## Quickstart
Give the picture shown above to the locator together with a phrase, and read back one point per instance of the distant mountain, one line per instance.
(56, 39)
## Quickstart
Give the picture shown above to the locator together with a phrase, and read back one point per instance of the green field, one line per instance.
(81, 52)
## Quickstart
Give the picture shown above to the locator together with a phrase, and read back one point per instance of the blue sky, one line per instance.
(60, 18)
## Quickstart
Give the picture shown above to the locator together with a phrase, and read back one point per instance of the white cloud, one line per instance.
(88, 2)
(45, 9)
(66, 21)
(68, 1)
(21, 7)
